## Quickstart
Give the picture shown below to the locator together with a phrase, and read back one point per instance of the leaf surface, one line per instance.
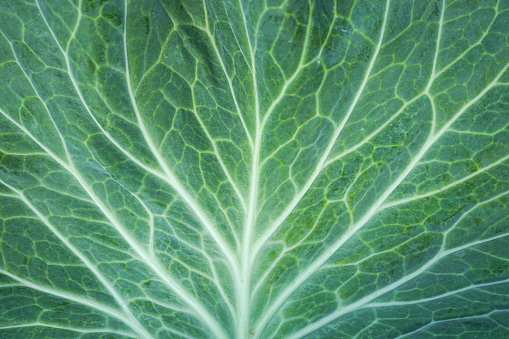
(254, 169)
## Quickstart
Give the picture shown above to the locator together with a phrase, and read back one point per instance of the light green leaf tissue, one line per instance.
(254, 169)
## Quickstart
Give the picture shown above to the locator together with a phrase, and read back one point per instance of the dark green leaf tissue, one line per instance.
(254, 169)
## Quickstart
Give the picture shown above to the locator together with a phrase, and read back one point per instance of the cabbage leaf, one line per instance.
(254, 169)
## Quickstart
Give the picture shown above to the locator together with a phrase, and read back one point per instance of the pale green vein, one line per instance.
(230, 85)
(449, 321)
(71, 297)
(133, 322)
(437, 297)
(473, 208)
(434, 68)
(201, 310)
(168, 177)
(243, 282)
(275, 262)
(368, 138)
(216, 151)
(149, 260)
(171, 178)
(437, 47)
(290, 80)
(443, 188)
(275, 225)
(66, 328)
(362, 303)
(305, 274)
(464, 53)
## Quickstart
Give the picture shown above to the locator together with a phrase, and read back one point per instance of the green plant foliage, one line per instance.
(254, 169)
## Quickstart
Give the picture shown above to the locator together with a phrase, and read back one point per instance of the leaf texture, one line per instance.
(254, 169)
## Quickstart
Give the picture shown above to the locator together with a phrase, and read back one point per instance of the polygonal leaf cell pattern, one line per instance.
(254, 169)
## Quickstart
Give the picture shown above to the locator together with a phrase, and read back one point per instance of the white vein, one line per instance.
(232, 92)
(71, 297)
(372, 135)
(172, 179)
(214, 146)
(444, 188)
(146, 257)
(362, 302)
(434, 67)
(168, 175)
(290, 80)
(305, 274)
(449, 321)
(464, 215)
(133, 322)
(243, 281)
(465, 52)
(249, 252)
(73, 329)
(275, 225)
(149, 260)
(263, 239)
(440, 296)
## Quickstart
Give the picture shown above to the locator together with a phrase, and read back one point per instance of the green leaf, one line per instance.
(254, 169)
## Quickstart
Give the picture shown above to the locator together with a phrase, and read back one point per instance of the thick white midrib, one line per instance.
(362, 302)
(441, 189)
(375, 209)
(73, 329)
(133, 323)
(149, 260)
(275, 262)
(244, 280)
(441, 296)
(248, 257)
(64, 295)
(263, 239)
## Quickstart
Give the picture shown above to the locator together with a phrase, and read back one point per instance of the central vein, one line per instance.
(247, 260)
